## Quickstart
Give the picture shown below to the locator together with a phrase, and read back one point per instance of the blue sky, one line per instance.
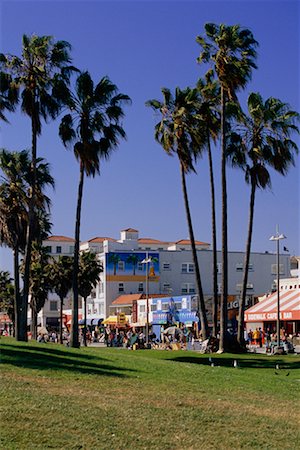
(143, 46)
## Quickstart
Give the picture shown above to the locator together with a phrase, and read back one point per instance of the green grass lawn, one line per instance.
(99, 398)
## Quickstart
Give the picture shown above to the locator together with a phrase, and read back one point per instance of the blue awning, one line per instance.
(88, 322)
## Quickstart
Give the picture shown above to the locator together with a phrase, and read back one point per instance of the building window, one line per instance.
(274, 269)
(188, 288)
(219, 288)
(165, 306)
(71, 249)
(53, 305)
(121, 266)
(178, 306)
(141, 287)
(48, 249)
(101, 287)
(187, 268)
(139, 266)
(121, 287)
(249, 286)
(58, 249)
(142, 308)
(240, 267)
(166, 287)
(219, 267)
(166, 266)
(153, 308)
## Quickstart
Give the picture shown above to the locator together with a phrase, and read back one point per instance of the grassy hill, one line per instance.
(92, 398)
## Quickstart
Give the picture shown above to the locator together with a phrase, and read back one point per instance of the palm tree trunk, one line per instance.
(214, 240)
(74, 342)
(30, 230)
(33, 321)
(223, 308)
(61, 321)
(240, 336)
(84, 325)
(201, 303)
(17, 298)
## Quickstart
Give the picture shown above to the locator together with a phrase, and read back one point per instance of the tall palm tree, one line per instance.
(8, 94)
(134, 260)
(89, 270)
(208, 110)
(42, 74)
(60, 275)
(14, 204)
(262, 139)
(178, 133)
(232, 52)
(93, 125)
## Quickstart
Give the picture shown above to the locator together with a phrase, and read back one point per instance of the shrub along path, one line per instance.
(92, 398)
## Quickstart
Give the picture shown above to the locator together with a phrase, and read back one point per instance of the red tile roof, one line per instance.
(187, 242)
(150, 241)
(101, 239)
(60, 238)
(131, 230)
(127, 299)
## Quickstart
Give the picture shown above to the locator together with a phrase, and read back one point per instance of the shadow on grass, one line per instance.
(243, 362)
(47, 358)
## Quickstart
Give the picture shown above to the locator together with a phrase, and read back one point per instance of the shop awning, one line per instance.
(113, 320)
(266, 310)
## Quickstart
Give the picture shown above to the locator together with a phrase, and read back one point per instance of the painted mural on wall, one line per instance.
(130, 266)
(172, 310)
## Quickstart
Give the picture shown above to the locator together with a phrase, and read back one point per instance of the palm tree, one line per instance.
(7, 295)
(88, 276)
(209, 93)
(42, 73)
(232, 52)
(39, 283)
(263, 138)
(133, 259)
(8, 94)
(60, 274)
(14, 203)
(178, 133)
(93, 125)
(114, 259)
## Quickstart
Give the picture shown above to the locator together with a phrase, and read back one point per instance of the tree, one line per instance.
(42, 74)
(134, 260)
(114, 259)
(39, 282)
(262, 139)
(178, 132)
(208, 110)
(60, 274)
(8, 94)
(232, 52)
(7, 295)
(88, 276)
(93, 126)
(14, 204)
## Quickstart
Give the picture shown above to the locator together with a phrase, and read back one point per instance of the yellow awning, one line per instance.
(113, 320)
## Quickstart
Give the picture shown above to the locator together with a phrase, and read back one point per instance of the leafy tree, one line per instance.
(7, 295)
(42, 74)
(60, 274)
(178, 132)
(114, 259)
(232, 52)
(88, 276)
(93, 126)
(262, 140)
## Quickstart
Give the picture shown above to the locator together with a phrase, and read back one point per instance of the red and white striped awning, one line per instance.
(266, 310)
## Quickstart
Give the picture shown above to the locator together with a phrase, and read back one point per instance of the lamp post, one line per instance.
(146, 261)
(277, 237)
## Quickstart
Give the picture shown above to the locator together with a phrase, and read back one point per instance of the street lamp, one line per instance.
(277, 237)
(146, 261)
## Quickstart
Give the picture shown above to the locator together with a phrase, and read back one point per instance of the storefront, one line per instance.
(264, 313)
